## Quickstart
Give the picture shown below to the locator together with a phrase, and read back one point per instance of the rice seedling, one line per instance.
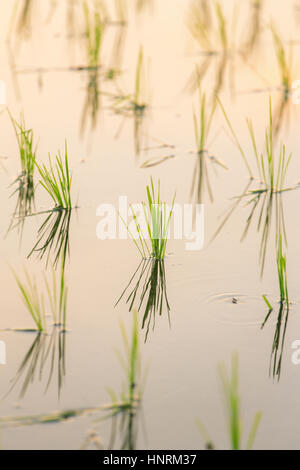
(283, 312)
(25, 181)
(199, 23)
(33, 300)
(255, 27)
(157, 216)
(55, 417)
(233, 405)
(284, 63)
(266, 199)
(202, 125)
(149, 292)
(56, 180)
(21, 18)
(94, 30)
(121, 11)
(209, 27)
(285, 68)
(271, 170)
(125, 409)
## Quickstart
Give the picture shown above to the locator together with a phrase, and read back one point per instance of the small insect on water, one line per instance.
(234, 300)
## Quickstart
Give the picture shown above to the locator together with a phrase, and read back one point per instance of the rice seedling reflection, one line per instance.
(255, 27)
(232, 400)
(134, 105)
(209, 27)
(127, 408)
(45, 351)
(202, 125)
(53, 237)
(25, 181)
(149, 292)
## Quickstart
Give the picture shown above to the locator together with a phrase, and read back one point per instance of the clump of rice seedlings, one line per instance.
(33, 300)
(149, 292)
(56, 180)
(233, 405)
(157, 217)
(25, 182)
(45, 346)
(202, 125)
(271, 170)
(135, 102)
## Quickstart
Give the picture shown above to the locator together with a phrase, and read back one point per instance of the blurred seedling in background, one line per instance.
(233, 409)
(210, 29)
(202, 124)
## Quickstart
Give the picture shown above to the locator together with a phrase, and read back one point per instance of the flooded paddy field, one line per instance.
(106, 343)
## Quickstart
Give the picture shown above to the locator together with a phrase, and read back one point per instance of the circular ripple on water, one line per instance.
(239, 308)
